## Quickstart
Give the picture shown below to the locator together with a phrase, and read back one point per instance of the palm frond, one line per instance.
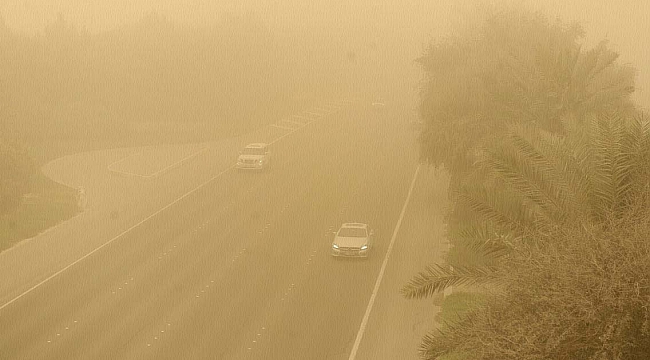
(525, 170)
(504, 209)
(451, 337)
(437, 278)
(567, 174)
(613, 167)
(541, 173)
(484, 241)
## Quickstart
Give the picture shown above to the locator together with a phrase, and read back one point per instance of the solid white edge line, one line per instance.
(122, 159)
(196, 153)
(155, 174)
(129, 174)
(113, 239)
(283, 127)
(128, 230)
(302, 118)
(292, 122)
(366, 316)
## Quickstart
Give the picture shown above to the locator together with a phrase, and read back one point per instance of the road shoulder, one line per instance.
(396, 325)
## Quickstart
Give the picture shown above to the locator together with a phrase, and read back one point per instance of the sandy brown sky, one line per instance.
(626, 23)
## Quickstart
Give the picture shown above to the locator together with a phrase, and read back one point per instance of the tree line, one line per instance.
(67, 90)
(549, 161)
(153, 70)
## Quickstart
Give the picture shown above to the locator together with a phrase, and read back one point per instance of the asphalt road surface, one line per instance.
(239, 269)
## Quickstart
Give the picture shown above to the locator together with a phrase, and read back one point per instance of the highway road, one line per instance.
(240, 268)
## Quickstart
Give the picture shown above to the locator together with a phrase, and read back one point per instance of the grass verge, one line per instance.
(453, 308)
(457, 305)
(48, 204)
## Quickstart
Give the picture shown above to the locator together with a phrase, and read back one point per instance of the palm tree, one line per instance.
(532, 193)
(515, 68)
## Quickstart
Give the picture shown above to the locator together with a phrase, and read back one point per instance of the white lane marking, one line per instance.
(308, 120)
(109, 167)
(159, 171)
(290, 124)
(364, 322)
(115, 238)
(131, 228)
(282, 127)
(122, 159)
(313, 113)
(294, 130)
(280, 138)
(293, 122)
(180, 161)
(129, 173)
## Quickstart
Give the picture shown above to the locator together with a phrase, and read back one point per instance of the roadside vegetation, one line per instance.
(152, 82)
(46, 205)
(549, 164)
(66, 90)
(29, 202)
(455, 307)
(16, 170)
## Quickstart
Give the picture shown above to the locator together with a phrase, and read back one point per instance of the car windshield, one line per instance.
(352, 232)
(253, 151)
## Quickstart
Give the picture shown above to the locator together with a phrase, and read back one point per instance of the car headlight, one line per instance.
(364, 247)
(260, 161)
(335, 246)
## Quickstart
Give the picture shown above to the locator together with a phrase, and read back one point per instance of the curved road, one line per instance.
(239, 268)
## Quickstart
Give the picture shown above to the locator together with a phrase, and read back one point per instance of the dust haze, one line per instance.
(403, 27)
(206, 168)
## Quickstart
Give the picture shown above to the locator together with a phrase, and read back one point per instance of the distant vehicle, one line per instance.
(255, 157)
(352, 240)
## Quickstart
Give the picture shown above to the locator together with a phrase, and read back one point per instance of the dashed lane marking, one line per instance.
(60, 271)
(114, 238)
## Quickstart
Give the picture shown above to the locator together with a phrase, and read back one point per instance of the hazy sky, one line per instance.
(625, 23)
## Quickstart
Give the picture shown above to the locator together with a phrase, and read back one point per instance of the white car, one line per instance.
(352, 240)
(254, 156)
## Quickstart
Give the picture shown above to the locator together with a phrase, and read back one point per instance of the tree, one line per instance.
(563, 224)
(514, 68)
(16, 171)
